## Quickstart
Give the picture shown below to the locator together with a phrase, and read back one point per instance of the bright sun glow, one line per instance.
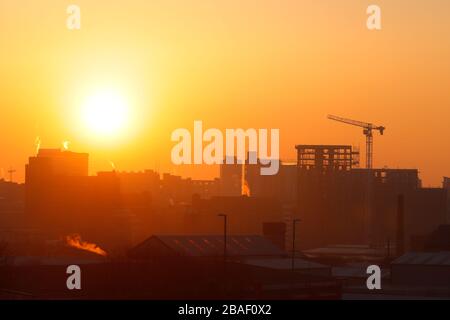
(106, 113)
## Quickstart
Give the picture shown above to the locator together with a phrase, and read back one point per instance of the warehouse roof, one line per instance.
(206, 246)
(441, 258)
(285, 264)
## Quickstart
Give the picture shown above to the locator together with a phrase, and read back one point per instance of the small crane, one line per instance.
(368, 128)
(11, 171)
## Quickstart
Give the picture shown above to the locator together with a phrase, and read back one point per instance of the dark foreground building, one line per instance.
(169, 279)
(173, 267)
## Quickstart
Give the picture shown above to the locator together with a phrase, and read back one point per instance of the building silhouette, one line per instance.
(341, 204)
(231, 177)
(62, 199)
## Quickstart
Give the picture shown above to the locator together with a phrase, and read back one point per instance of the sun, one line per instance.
(105, 113)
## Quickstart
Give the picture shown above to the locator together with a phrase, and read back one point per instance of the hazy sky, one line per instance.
(253, 63)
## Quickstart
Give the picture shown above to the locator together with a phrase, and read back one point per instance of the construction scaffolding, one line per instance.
(327, 157)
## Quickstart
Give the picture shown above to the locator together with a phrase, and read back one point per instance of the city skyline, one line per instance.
(218, 157)
(258, 64)
(9, 174)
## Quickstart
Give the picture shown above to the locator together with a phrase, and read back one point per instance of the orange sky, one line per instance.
(254, 63)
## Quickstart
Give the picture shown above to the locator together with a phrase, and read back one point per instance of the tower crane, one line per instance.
(367, 131)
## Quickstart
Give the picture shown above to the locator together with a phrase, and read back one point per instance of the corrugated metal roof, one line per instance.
(441, 258)
(241, 245)
(285, 264)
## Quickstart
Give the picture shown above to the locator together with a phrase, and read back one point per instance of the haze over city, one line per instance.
(231, 64)
(251, 152)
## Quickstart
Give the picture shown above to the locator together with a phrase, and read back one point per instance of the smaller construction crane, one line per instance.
(11, 171)
(368, 128)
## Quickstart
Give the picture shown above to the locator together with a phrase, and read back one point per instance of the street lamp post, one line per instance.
(294, 221)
